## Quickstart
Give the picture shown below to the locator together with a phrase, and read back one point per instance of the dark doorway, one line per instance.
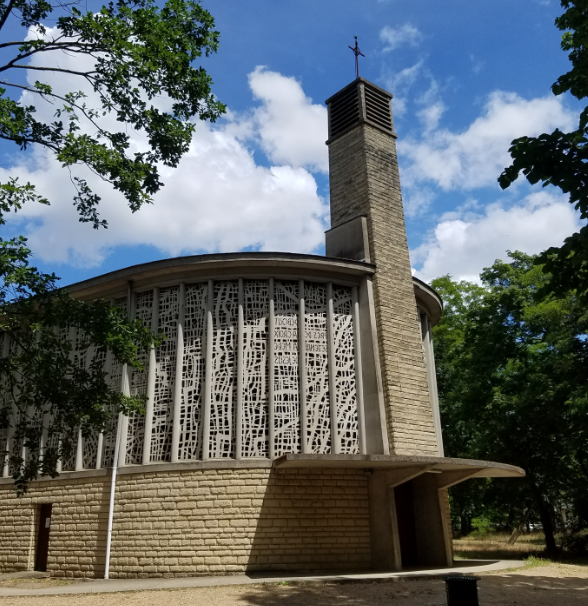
(406, 524)
(43, 537)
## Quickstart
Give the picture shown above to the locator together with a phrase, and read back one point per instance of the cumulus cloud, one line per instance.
(217, 200)
(395, 37)
(464, 243)
(400, 84)
(475, 157)
(417, 200)
(292, 129)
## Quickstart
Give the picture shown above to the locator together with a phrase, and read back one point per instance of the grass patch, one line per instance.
(495, 547)
(533, 562)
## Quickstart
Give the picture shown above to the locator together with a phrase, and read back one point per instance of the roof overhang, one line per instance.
(221, 266)
(450, 471)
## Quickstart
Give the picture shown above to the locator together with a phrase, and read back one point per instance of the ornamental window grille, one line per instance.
(292, 397)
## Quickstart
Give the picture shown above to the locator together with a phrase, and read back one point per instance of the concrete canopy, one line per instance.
(441, 465)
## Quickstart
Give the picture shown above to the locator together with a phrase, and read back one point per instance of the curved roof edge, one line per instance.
(429, 299)
(223, 263)
(230, 263)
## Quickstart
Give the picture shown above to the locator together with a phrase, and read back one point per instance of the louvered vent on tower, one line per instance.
(377, 108)
(360, 101)
(344, 111)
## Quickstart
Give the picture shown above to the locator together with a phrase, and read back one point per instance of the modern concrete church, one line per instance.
(292, 419)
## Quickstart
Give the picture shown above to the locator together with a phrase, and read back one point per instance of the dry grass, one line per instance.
(495, 546)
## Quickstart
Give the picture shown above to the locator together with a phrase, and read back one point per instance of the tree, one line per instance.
(513, 379)
(132, 59)
(560, 159)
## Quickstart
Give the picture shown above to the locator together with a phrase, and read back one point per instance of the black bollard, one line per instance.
(461, 590)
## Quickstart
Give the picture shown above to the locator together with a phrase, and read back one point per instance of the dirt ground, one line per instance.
(543, 585)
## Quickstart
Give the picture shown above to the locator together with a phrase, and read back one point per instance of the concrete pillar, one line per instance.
(383, 527)
(431, 533)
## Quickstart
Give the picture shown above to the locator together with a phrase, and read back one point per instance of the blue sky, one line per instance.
(467, 77)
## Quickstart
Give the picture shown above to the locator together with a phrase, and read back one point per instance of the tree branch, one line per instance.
(55, 148)
(56, 96)
(4, 17)
(86, 75)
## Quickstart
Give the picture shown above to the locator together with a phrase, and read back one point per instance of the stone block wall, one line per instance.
(191, 523)
(364, 180)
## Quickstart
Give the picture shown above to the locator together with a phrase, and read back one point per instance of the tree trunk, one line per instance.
(546, 522)
(516, 533)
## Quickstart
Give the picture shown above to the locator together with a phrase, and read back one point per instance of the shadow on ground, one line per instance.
(495, 590)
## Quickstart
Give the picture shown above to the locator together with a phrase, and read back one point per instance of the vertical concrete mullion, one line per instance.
(335, 437)
(58, 465)
(304, 448)
(79, 463)
(176, 423)
(100, 447)
(151, 372)
(271, 370)
(126, 382)
(208, 374)
(6, 464)
(44, 435)
(108, 370)
(80, 447)
(240, 365)
(358, 372)
(79, 452)
(432, 376)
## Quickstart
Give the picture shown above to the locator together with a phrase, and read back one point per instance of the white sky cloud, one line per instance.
(400, 83)
(217, 199)
(462, 245)
(395, 37)
(476, 157)
(292, 129)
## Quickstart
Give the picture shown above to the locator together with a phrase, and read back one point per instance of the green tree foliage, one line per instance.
(133, 58)
(560, 159)
(513, 383)
(52, 371)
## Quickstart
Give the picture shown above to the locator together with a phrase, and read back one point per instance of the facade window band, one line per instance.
(288, 350)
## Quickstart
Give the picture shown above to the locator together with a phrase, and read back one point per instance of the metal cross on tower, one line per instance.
(356, 52)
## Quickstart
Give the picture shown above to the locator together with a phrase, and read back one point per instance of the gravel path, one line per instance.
(550, 585)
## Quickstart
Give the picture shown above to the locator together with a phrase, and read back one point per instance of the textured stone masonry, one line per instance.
(194, 523)
(364, 180)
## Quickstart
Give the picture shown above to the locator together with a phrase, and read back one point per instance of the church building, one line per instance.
(292, 420)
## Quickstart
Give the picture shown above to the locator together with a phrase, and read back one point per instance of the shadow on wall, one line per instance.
(313, 519)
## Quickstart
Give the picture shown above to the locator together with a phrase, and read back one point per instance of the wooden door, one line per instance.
(43, 537)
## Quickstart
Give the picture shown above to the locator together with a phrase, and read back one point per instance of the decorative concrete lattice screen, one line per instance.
(248, 369)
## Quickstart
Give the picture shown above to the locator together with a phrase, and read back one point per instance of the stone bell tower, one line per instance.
(367, 223)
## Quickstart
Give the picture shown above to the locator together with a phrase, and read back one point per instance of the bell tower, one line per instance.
(367, 223)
